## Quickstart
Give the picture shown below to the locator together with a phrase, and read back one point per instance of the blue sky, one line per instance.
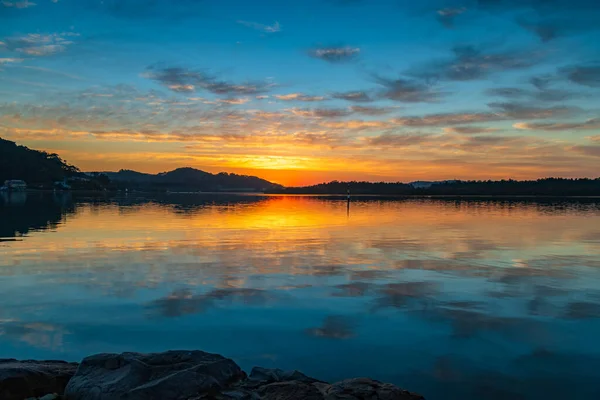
(305, 91)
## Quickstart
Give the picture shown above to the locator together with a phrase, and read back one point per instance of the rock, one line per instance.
(266, 375)
(367, 389)
(22, 379)
(173, 375)
(238, 395)
(52, 396)
(275, 384)
(293, 390)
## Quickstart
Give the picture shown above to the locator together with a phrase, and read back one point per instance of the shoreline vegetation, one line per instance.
(43, 171)
(176, 375)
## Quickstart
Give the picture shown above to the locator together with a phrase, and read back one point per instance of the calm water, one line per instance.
(455, 299)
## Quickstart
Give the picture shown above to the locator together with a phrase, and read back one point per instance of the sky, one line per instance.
(301, 92)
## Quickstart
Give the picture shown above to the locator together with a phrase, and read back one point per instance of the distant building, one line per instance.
(14, 185)
(62, 185)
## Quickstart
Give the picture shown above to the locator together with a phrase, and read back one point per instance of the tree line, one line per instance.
(539, 187)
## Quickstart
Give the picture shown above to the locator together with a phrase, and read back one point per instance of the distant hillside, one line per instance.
(189, 179)
(540, 187)
(32, 166)
(336, 187)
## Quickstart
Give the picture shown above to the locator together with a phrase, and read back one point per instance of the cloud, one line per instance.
(225, 137)
(235, 101)
(447, 15)
(583, 75)
(372, 111)
(53, 72)
(526, 111)
(560, 23)
(355, 96)
(541, 82)
(472, 63)
(36, 44)
(544, 30)
(355, 125)
(477, 142)
(276, 27)
(321, 112)
(182, 88)
(593, 123)
(335, 54)
(508, 92)
(298, 97)
(18, 4)
(10, 60)
(184, 80)
(547, 19)
(593, 151)
(407, 91)
(397, 140)
(502, 112)
(448, 119)
(468, 130)
(539, 94)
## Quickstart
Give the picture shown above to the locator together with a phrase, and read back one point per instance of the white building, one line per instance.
(14, 185)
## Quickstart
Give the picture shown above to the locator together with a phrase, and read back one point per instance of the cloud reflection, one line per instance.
(183, 302)
(334, 327)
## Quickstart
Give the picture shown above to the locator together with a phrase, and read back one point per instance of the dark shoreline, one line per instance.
(328, 195)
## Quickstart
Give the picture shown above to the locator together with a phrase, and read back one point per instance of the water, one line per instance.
(456, 299)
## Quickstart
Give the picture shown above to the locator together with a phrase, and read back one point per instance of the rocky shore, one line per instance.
(176, 375)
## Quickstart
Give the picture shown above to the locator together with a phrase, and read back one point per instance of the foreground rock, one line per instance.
(24, 379)
(196, 375)
(133, 376)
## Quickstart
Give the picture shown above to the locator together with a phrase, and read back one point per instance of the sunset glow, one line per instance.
(304, 92)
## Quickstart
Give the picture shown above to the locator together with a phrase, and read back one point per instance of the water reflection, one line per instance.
(21, 213)
(455, 298)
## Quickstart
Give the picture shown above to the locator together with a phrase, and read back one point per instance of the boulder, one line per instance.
(293, 390)
(260, 375)
(275, 384)
(173, 375)
(367, 389)
(23, 379)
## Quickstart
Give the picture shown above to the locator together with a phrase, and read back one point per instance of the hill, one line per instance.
(41, 169)
(190, 179)
(33, 166)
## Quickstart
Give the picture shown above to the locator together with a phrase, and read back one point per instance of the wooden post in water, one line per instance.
(348, 203)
